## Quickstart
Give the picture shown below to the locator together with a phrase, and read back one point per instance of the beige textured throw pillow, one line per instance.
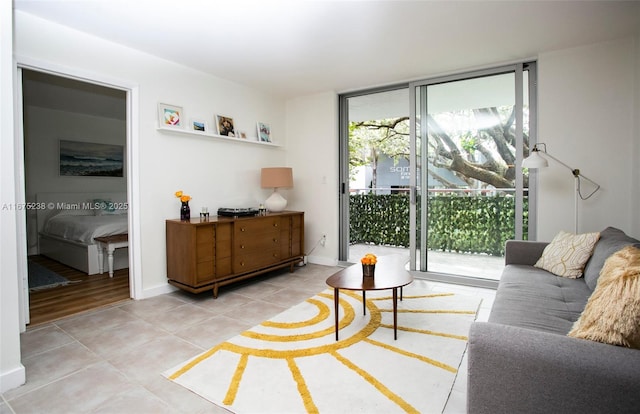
(612, 314)
(567, 254)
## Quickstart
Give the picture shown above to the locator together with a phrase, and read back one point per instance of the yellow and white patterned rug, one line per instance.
(293, 364)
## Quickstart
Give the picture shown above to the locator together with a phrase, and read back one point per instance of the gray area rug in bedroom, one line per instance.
(42, 278)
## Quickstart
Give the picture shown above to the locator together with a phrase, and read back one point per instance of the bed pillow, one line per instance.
(567, 254)
(611, 240)
(72, 212)
(612, 313)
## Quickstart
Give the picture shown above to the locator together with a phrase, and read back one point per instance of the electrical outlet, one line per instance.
(323, 240)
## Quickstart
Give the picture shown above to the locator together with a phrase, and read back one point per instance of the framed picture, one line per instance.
(242, 134)
(264, 132)
(198, 125)
(170, 116)
(225, 126)
(88, 159)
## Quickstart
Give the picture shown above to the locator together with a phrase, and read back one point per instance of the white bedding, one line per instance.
(85, 228)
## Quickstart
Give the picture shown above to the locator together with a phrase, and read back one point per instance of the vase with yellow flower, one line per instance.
(369, 264)
(185, 211)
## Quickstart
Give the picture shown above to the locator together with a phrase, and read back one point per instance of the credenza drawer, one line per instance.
(251, 261)
(204, 272)
(204, 234)
(257, 225)
(223, 267)
(265, 242)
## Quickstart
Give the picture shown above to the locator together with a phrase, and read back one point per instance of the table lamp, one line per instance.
(276, 177)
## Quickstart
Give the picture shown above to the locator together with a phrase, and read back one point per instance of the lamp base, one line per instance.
(275, 202)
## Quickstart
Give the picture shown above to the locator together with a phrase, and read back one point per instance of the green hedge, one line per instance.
(457, 223)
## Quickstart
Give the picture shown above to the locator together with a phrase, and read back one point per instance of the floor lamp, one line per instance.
(535, 160)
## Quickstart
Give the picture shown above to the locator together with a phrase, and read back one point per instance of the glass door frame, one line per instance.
(343, 162)
(343, 185)
(517, 69)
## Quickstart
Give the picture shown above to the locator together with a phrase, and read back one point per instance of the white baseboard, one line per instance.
(12, 379)
(320, 260)
(158, 290)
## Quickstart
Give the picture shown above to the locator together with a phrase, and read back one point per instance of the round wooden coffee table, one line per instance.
(390, 274)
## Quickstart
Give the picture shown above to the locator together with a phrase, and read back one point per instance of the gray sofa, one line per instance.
(522, 361)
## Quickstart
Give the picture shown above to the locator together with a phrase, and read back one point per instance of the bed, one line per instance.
(69, 222)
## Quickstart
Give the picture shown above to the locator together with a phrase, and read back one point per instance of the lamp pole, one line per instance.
(534, 160)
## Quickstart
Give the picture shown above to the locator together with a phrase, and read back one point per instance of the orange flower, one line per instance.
(369, 259)
(183, 197)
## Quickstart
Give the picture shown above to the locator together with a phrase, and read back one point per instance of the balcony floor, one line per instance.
(474, 265)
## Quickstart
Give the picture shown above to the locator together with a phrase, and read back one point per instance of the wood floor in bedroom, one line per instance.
(88, 292)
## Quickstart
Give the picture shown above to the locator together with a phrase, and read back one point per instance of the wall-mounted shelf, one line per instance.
(248, 140)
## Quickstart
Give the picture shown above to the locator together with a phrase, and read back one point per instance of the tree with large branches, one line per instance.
(482, 151)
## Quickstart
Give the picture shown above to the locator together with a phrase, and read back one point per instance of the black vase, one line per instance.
(185, 211)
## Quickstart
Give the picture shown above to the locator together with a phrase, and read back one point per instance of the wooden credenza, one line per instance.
(204, 254)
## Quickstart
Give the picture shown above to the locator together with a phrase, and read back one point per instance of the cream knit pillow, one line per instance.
(567, 254)
(612, 313)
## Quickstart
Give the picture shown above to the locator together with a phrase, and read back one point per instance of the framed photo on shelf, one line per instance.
(170, 116)
(199, 125)
(225, 126)
(264, 132)
(242, 134)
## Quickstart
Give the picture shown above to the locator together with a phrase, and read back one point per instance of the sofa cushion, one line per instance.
(612, 314)
(611, 240)
(567, 254)
(529, 297)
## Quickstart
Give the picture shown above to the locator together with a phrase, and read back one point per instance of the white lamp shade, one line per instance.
(275, 202)
(535, 160)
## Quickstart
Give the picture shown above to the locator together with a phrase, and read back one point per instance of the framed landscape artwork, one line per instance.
(264, 132)
(198, 125)
(225, 126)
(170, 116)
(88, 159)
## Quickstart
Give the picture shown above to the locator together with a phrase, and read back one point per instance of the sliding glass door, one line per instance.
(469, 194)
(375, 172)
(432, 170)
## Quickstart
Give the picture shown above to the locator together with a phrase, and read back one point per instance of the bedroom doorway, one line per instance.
(75, 156)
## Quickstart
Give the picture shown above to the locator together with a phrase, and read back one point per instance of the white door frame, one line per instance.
(133, 165)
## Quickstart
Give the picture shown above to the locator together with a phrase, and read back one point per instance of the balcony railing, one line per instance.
(459, 221)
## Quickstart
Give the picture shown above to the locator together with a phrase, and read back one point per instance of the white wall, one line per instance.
(312, 151)
(215, 173)
(44, 128)
(12, 372)
(588, 117)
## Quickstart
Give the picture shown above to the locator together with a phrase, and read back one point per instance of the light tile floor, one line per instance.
(110, 360)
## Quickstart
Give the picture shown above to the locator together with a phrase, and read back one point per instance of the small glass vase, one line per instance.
(185, 211)
(368, 270)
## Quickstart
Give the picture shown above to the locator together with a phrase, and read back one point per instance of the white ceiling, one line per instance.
(292, 48)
